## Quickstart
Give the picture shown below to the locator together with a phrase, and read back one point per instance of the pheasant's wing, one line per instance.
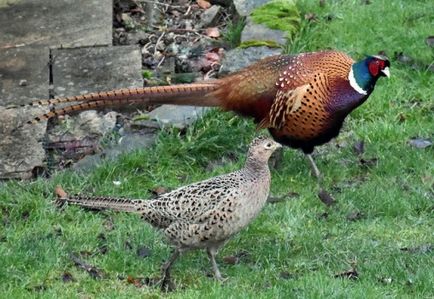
(189, 202)
(289, 102)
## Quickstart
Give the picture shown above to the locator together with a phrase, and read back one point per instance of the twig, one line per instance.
(161, 62)
(163, 4)
(158, 41)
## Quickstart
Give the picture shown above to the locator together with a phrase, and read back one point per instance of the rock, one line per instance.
(259, 32)
(177, 116)
(84, 70)
(126, 144)
(138, 37)
(245, 7)
(21, 152)
(55, 23)
(87, 123)
(237, 59)
(209, 17)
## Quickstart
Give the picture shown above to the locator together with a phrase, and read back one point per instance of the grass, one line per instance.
(295, 248)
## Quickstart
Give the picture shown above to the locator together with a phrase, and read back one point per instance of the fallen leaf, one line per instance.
(143, 251)
(135, 281)
(326, 198)
(231, 260)
(430, 41)
(359, 147)
(67, 277)
(203, 4)
(93, 271)
(368, 162)
(350, 274)
(212, 32)
(420, 143)
(212, 56)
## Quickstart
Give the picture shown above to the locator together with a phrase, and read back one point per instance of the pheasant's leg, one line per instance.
(315, 169)
(212, 252)
(165, 269)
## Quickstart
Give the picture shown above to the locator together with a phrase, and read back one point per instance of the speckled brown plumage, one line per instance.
(204, 214)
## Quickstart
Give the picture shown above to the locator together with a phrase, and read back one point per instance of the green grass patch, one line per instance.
(382, 223)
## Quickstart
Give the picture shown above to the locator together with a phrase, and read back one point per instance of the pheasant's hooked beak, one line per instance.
(386, 71)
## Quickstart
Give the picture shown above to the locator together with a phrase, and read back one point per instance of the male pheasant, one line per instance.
(204, 214)
(301, 99)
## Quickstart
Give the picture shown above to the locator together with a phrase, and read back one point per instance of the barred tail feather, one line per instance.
(195, 94)
(100, 203)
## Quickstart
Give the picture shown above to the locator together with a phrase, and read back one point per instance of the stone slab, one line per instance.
(68, 23)
(177, 116)
(24, 75)
(259, 32)
(238, 58)
(84, 70)
(20, 150)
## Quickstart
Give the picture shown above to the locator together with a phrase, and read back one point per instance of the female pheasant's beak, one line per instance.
(386, 72)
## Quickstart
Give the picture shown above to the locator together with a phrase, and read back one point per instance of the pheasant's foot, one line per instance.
(165, 283)
(323, 194)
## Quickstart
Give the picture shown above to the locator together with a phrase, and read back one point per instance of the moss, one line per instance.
(280, 14)
(146, 74)
(259, 43)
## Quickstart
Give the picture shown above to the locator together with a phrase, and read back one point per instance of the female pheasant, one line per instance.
(302, 100)
(204, 214)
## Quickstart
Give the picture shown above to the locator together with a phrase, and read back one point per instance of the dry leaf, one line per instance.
(60, 192)
(212, 32)
(326, 198)
(203, 4)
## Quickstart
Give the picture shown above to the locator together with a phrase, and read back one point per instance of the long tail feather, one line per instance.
(195, 94)
(100, 202)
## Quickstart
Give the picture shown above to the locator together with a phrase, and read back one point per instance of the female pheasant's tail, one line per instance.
(195, 94)
(99, 202)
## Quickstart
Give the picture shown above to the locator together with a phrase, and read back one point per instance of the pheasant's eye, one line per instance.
(268, 145)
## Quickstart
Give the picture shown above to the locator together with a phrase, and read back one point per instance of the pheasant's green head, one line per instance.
(365, 73)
